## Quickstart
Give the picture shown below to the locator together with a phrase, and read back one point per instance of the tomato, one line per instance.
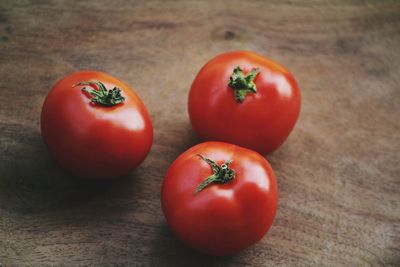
(243, 98)
(219, 198)
(95, 125)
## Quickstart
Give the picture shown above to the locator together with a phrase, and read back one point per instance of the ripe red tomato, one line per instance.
(95, 125)
(243, 98)
(219, 198)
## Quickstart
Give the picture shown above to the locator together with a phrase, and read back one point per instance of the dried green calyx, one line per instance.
(103, 96)
(243, 84)
(221, 174)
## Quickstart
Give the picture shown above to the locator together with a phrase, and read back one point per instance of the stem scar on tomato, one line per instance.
(102, 96)
(242, 84)
(221, 174)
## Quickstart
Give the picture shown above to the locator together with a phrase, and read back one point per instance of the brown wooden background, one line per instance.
(338, 173)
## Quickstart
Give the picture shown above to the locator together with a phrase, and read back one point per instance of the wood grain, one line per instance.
(338, 173)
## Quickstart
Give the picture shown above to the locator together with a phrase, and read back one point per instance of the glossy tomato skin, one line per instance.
(223, 219)
(262, 121)
(90, 140)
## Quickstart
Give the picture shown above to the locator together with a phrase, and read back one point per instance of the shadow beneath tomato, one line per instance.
(167, 250)
(31, 181)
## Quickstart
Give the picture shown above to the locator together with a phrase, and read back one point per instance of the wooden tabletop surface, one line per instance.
(338, 173)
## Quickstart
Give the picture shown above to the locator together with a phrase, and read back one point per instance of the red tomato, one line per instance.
(243, 98)
(219, 198)
(95, 125)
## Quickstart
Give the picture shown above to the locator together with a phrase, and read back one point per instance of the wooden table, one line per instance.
(338, 173)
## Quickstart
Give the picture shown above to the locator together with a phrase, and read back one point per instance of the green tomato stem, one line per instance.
(221, 174)
(242, 84)
(103, 96)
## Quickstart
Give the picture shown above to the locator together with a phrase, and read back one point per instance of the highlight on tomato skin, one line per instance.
(219, 198)
(243, 98)
(95, 125)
